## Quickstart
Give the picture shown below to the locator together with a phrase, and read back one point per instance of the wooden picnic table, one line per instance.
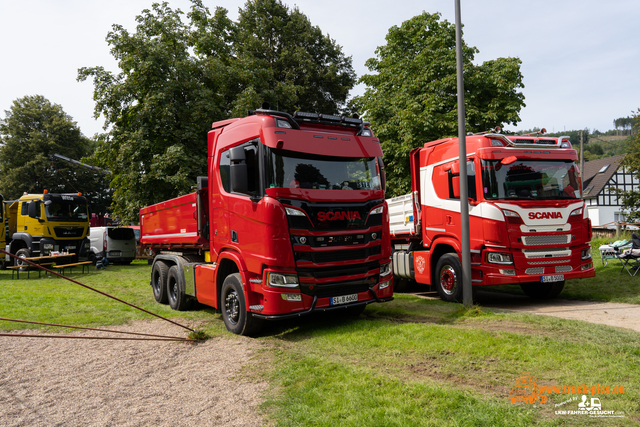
(36, 259)
(49, 261)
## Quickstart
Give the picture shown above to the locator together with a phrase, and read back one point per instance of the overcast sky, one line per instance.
(580, 59)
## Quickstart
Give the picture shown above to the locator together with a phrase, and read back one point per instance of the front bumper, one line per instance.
(275, 308)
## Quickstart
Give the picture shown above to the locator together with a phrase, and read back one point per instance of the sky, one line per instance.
(580, 58)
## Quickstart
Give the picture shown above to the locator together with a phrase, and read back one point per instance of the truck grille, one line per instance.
(336, 256)
(547, 253)
(339, 271)
(68, 232)
(561, 239)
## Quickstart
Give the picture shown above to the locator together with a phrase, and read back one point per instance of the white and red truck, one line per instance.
(528, 224)
(290, 220)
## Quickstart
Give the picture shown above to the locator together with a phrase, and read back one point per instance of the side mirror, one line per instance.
(33, 210)
(383, 175)
(455, 186)
(238, 170)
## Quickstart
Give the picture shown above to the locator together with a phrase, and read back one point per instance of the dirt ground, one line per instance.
(79, 382)
(605, 313)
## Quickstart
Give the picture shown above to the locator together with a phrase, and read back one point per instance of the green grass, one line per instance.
(58, 301)
(410, 362)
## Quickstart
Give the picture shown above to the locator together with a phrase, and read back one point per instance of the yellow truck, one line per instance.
(38, 224)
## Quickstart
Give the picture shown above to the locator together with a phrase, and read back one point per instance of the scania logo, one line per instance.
(545, 215)
(335, 216)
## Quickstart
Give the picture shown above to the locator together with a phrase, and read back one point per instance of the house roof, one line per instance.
(595, 176)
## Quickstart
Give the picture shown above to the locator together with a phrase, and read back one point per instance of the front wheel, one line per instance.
(234, 310)
(448, 278)
(22, 253)
(542, 290)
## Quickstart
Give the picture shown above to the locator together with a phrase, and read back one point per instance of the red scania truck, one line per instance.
(290, 220)
(528, 224)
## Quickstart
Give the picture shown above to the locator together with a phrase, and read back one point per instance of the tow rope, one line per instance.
(148, 336)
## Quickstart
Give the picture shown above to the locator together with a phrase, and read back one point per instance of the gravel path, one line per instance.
(78, 382)
(605, 313)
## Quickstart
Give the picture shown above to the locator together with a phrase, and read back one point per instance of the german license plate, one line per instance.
(115, 253)
(552, 278)
(344, 299)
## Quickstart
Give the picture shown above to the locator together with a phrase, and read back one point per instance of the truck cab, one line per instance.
(528, 223)
(38, 224)
(290, 220)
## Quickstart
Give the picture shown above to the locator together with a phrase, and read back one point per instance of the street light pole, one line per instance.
(467, 294)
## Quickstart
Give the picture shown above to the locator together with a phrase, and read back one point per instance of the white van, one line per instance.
(117, 244)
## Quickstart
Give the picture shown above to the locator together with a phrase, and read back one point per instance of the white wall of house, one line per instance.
(601, 215)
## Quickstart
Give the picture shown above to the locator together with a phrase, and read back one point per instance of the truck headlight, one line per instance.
(499, 258)
(385, 269)
(47, 246)
(282, 280)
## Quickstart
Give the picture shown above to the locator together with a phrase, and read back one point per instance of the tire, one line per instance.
(539, 290)
(400, 284)
(22, 253)
(178, 300)
(448, 278)
(234, 310)
(159, 282)
(92, 258)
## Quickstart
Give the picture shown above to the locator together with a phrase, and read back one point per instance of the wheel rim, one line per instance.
(156, 284)
(173, 290)
(232, 307)
(448, 280)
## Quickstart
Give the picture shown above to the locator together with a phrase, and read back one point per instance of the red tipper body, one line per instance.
(294, 205)
(528, 223)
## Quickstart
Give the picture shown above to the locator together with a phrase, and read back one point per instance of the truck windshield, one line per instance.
(66, 210)
(299, 170)
(530, 179)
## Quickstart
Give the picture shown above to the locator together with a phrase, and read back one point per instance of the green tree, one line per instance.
(298, 68)
(31, 132)
(630, 200)
(176, 79)
(411, 97)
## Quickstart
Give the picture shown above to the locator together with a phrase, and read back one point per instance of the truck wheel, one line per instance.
(448, 278)
(234, 310)
(159, 282)
(542, 290)
(22, 253)
(177, 298)
(92, 258)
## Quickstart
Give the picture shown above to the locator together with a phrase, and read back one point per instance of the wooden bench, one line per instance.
(75, 264)
(15, 269)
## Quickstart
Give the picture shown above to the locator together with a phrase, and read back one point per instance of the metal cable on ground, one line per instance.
(92, 329)
(93, 338)
(95, 290)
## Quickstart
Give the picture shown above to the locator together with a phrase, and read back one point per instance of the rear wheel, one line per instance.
(542, 290)
(448, 278)
(178, 300)
(234, 310)
(159, 282)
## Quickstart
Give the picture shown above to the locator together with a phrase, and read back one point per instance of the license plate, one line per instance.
(115, 253)
(552, 278)
(344, 299)
(71, 248)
